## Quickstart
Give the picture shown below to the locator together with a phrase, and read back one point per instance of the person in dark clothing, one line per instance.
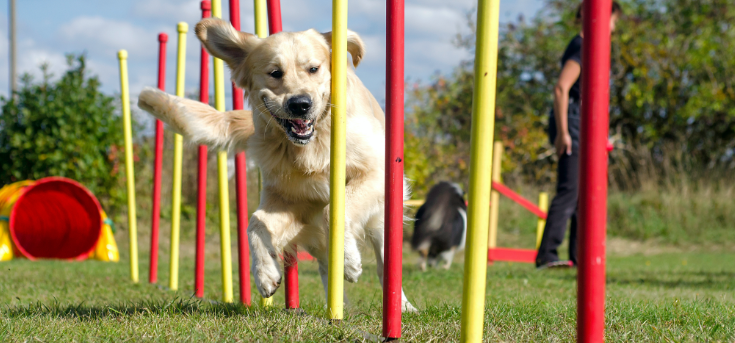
(564, 135)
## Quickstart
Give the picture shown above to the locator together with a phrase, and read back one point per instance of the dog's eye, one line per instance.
(276, 74)
(313, 69)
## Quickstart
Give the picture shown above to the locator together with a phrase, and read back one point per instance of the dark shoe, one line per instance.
(555, 265)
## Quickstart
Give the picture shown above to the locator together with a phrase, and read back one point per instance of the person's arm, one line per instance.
(569, 75)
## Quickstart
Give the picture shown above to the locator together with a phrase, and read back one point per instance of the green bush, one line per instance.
(64, 128)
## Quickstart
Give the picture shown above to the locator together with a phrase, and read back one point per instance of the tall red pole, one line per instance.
(290, 262)
(202, 169)
(157, 165)
(393, 268)
(243, 250)
(274, 16)
(593, 171)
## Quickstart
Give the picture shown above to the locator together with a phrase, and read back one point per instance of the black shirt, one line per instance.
(574, 53)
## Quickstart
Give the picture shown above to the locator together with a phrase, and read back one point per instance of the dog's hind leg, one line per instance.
(447, 257)
(353, 259)
(324, 274)
(377, 240)
(423, 253)
(423, 250)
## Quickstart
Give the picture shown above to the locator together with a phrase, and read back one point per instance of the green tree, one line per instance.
(672, 96)
(64, 128)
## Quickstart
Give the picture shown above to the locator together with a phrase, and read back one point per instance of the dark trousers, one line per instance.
(563, 208)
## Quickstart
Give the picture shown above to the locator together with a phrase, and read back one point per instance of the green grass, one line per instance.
(682, 297)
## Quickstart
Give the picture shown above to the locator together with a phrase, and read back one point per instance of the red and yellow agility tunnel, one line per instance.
(53, 218)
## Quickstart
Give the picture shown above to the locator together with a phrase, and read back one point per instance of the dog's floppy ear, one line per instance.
(224, 42)
(355, 46)
(199, 122)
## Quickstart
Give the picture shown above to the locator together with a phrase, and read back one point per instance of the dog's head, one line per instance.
(286, 76)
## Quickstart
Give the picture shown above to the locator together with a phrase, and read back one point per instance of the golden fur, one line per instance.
(291, 150)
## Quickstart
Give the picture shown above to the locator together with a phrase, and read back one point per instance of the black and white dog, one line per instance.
(440, 226)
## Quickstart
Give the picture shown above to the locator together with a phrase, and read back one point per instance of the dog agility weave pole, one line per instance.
(157, 166)
(206, 7)
(394, 164)
(224, 197)
(337, 165)
(122, 56)
(290, 261)
(593, 171)
(173, 282)
(483, 122)
(243, 251)
(261, 30)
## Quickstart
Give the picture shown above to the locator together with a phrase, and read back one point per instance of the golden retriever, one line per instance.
(286, 78)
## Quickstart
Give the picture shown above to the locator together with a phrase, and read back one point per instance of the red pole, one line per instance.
(157, 165)
(202, 170)
(274, 16)
(291, 269)
(243, 250)
(290, 262)
(393, 268)
(593, 171)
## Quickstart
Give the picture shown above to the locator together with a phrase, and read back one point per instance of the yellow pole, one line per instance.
(261, 19)
(483, 122)
(261, 30)
(337, 161)
(543, 204)
(122, 55)
(492, 240)
(173, 278)
(224, 195)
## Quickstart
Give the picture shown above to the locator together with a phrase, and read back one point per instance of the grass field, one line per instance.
(669, 297)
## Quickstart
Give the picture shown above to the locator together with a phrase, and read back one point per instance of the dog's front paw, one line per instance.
(407, 307)
(353, 271)
(267, 275)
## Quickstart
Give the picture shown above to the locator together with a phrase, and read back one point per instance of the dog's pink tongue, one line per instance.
(300, 124)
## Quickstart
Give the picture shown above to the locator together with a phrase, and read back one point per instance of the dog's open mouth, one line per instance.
(298, 128)
(299, 131)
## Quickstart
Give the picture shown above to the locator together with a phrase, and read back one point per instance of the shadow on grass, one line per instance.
(176, 306)
(695, 279)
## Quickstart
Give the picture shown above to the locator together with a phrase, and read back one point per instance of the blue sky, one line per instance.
(48, 29)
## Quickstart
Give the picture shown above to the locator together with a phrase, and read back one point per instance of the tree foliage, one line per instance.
(672, 95)
(64, 128)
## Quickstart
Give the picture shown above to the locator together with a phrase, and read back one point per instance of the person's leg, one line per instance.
(562, 207)
(573, 248)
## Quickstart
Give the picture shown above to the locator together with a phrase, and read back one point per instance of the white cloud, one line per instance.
(106, 36)
(438, 23)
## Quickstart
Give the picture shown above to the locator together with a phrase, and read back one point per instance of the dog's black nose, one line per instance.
(299, 105)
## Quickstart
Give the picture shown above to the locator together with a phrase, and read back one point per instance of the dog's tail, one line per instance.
(198, 122)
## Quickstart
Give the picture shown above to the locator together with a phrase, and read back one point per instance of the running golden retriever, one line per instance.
(286, 78)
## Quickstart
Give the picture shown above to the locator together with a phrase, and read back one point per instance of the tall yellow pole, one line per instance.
(224, 195)
(337, 161)
(483, 122)
(261, 18)
(173, 278)
(122, 56)
(492, 240)
(261, 30)
(543, 204)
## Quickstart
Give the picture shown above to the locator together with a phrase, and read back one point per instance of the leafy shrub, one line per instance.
(64, 128)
